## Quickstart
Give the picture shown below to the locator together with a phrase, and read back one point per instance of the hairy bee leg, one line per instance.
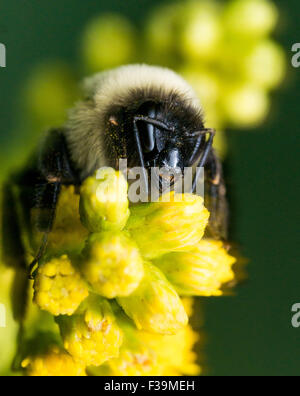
(215, 198)
(205, 155)
(46, 206)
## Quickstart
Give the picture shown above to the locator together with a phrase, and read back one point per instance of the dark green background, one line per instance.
(251, 333)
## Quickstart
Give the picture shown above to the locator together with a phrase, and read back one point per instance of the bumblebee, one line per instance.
(148, 115)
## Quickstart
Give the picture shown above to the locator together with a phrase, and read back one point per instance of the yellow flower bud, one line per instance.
(162, 227)
(264, 64)
(112, 264)
(103, 202)
(58, 287)
(54, 363)
(200, 272)
(162, 29)
(201, 30)
(205, 83)
(250, 18)
(245, 105)
(91, 335)
(155, 306)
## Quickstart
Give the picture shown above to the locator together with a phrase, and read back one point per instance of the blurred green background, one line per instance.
(250, 333)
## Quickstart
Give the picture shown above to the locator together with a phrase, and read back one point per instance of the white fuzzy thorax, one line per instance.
(108, 87)
(86, 126)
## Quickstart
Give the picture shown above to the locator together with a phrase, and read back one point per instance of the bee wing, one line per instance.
(13, 252)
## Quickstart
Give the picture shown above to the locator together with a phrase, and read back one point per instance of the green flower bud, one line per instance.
(50, 91)
(108, 41)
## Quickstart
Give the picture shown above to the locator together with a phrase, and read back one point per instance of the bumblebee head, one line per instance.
(147, 115)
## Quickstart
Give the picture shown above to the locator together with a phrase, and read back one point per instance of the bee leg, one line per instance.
(55, 169)
(201, 156)
(215, 198)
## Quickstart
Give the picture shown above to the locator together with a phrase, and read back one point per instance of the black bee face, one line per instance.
(162, 137)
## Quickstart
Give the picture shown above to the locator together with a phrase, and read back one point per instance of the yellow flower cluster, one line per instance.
(225, 52)
(145, 264)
